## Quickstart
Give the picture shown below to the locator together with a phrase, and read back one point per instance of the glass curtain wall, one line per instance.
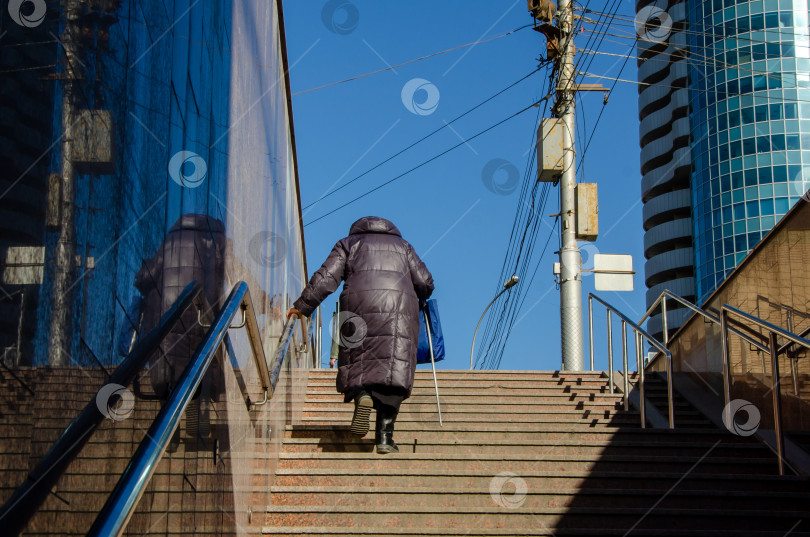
(164, 153)
(750, 117)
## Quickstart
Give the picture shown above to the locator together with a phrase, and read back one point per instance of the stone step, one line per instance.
(594, 420)
(430, 423)
(490, 464)
(431, 431)
(511, 403)
(535, 531)
(513, 493)
(547, 480)
(498, 412)
(574, 446)
(556, 517)
(492, 394)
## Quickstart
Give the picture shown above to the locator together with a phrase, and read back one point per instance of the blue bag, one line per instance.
(423, 352)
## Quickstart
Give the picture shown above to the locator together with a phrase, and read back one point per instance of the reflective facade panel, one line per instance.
(146, 144)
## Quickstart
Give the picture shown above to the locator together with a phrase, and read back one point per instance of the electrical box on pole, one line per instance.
(587, 212)
(550, 154)
(93, 148)
(542, 10)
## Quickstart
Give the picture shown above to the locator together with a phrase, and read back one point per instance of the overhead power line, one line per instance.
(428, 161)
(411, 61)
(520, 252)
(631, 22)
(768, 97)
(420, 140)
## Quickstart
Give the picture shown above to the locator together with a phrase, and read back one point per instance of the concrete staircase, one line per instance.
(520, 453)
(526, 453)
(188, 495)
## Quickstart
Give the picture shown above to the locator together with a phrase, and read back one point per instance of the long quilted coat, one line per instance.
(379, 305)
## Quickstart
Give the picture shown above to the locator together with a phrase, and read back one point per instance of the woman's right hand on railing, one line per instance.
(293, 311)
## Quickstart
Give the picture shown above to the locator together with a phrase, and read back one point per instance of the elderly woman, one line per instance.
(386, 283)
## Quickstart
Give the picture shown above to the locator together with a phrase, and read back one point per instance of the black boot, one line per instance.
(385, 431)
(362, 408)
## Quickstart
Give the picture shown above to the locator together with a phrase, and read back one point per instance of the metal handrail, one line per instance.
(790, 312)
(789, 344)
(784, 307)
(255, 338)
(16, 513)
(286, 338)
(662, 300)
(760, 345)
(640, 335)
(114, 516)
(773, 349)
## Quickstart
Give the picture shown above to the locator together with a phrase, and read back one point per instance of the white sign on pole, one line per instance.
(613, 272)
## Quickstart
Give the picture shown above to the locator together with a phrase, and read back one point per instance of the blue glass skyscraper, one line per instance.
(725, 135)
(749, 86)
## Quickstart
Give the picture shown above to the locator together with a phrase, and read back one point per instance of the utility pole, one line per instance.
(560, 47)
(61, 326)
(570, 259)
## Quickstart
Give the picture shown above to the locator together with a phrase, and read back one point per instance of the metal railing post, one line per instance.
(664, 320)
(670, 393)
(590, 328)
(610, 351)
(789, 357)
(641, 335)
(643, 401)
(624, 365)
(726, 366)
(777, 405)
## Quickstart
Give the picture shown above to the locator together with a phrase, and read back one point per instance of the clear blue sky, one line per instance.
(458, 226)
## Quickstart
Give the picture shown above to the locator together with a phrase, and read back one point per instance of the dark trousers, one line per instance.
(385, 397)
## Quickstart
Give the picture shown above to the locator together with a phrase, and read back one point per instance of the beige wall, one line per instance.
(773, 278)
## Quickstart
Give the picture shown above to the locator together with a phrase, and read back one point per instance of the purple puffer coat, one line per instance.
(379, 305)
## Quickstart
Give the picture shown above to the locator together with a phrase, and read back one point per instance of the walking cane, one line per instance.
(432, 362)
(333, 349)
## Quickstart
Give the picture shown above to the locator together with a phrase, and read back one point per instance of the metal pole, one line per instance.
(472, 347)
(570, 259)
(640, 365)
(61, 318)
(590, 329)
(791, 358)
(670, 393)
(433, 363)
(624, 365)
(777, 405)
(664, 320)
(610, 351)
(726, 367)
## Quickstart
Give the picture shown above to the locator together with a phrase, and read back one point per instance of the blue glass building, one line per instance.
(750, 126)
(725, 136)
(187, 106)
(145, 144)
